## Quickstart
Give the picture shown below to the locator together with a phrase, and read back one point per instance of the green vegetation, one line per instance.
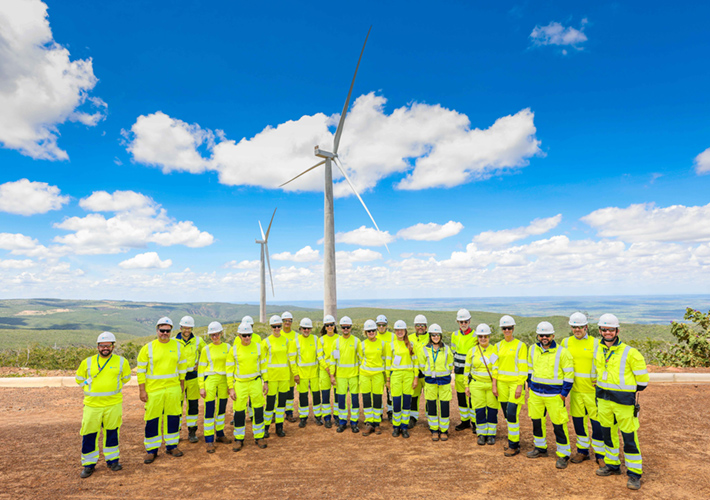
(693, 347)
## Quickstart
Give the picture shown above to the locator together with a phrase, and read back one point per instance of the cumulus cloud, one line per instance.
(504, 237)
(148, 260)
(24, 197)
(16, 264)
(305, 254)
(430, 231)
(646, 222)
(359, 255)
(366, 236)
(702, 162)
(40, 86)
(434, 146)
(118, 201)
(17, 241)
(556, 34)
(244, 264)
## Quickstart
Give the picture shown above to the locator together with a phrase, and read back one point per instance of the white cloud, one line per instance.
(702, 162)
(366, 236)
(118, 201)
(244, 264)
(646, 222)
(305, 254)
(28, 198)
(504, 237)
(148, 260)
(434, 146)
(556, 34)
(40, 87)
(430, 231)
(359, 255)
(17, 241)
(16, 264)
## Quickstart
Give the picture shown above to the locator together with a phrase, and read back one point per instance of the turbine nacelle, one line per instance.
(325, 154)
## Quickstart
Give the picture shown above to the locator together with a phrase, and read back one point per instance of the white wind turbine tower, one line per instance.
(264, 242)
(329, 293)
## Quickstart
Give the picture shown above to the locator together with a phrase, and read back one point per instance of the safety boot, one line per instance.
(175, 452)
(511, 452)
(444, 436)
(341, 428)
(466, 424)
(434, 435)
(634, 483)
(412, 422)
(192, 434)
(319, 420)
(87, 471)
(223, 439)
(482, 440)
(491, 440)
(405, 433)
(238, 445)
(354, 428)
(368, 429)
(280, 430)
(328, 423)
(115, 466)
(150, 457)
(291, 418)
(562, 462)
(536, 453)
(607, 471)
(302, 423)
(396, 432)
(210, 448)
(260, 443)
(578, 458)
(266, 431)
(378, 429)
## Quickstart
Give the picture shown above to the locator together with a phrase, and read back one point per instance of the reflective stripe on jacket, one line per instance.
(161, 365)
(103, 379)
(621, 372)
(512, 362)
(583, 353)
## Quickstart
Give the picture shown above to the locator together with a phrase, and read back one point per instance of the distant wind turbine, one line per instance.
(329, 292)
(264, 242)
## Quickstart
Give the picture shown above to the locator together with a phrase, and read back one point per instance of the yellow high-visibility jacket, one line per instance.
(345, 356)
(213, 361)
(476, 368)
(399, 358)
(461, 343)
(373, 354)
(388, 336)
(512, 362)
(292, 335)
(308, 355)
(161, 366)
(327, 344)
(437, 365)
(245, 362)
(583, 352)
(103, 380)
(621, 372)
(280, 355)
(551, 370)
(192, 349)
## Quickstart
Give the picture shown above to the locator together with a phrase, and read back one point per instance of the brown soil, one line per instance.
(40, 435)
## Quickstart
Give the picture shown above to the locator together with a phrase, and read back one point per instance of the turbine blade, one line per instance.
(262, 232)
(268, 262)
(337, 162)
(269, 228)
(304, 172)
(339, 130)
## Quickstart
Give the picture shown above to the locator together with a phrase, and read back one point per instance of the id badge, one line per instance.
(336, 354)
(397, 360)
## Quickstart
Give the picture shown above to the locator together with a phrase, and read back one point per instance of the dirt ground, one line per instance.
(41, 458)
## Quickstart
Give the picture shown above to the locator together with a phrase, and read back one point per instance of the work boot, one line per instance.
(536, 453)
(192, 434)
(634, 483)
(434, 435)
(354, 428)
(336, 420)
(389, 416)
(150, 457)
(368, 429)
(482, 440)
(291, 418)
(607, 471)
(238, 445)
(466, 424)
(378, 429)
(115, 466)
(511, 452)
(210, 448)
(319, 421)
(260, 443)
(89, 470)
(302, 423)
(175, 452)
(562, 462)
(328, 423)
(412, 422)
(223, 439)
(280, 430)
(396, 432)
(578, 458)
(341, 428)
(444, 436)
(266, 432)
(405, 433)
(491, 440)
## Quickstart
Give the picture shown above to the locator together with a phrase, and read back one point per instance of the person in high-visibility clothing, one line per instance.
(622, 374)
(480, 369)
(582, 399)
(212, 377)
(308, 355)
(550, 378)
(512, 368)
(437, 361)
(291, 335)
(280, 355)
(420, 339)
(402, 374)
(345, 361)
(387, 336)
(328, 337)
(102, 377)
(246, 370)
(373, 356)
(192, 347)
(161, 382)
(462, 341)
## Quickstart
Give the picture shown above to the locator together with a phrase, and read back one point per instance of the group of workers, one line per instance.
(602, 378)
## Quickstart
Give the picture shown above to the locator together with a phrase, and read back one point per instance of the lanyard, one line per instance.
(436, 355)
(99, 364)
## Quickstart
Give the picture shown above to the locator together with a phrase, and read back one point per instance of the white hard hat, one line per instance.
(214, 327)
(369, 325)
(400, 325)
(248, 319)
(164, 321)
(506, 321)
(106, 337)
(608, 320)
(578, 319)
(328, 318)
(435, 328)
(244, 328)
(286, 315)
(306, 323)
(463, 315)
(187, 321)
(381, 319)
(483, 329)
(420, 319)
(275, 320)
(345, 321)
(545, 327)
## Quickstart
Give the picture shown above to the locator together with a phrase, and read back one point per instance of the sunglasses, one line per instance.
(607, 330)
(464, 322)
(164, 330)
(274, 327)
(370, 331)
(435, 334)
(245, 335)
(329, 325)
(544, 335)
(105, 346)
(345, 327)
(507, 328)
(306, 328)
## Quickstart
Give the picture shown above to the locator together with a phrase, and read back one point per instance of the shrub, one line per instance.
(693, 347)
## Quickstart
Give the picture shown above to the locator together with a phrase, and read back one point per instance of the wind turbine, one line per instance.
(264, 242)
(329, 290)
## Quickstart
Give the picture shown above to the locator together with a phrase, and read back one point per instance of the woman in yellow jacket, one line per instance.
(402, 371)
(308, 354)
(373, 353)
(436, 364)
(328, 337)
(480, 362)
(280, 356)
(212, 379)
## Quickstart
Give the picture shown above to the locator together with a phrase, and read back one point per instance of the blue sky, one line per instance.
(507, 149)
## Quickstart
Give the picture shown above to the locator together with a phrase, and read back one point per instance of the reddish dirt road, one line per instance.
(41, 458)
